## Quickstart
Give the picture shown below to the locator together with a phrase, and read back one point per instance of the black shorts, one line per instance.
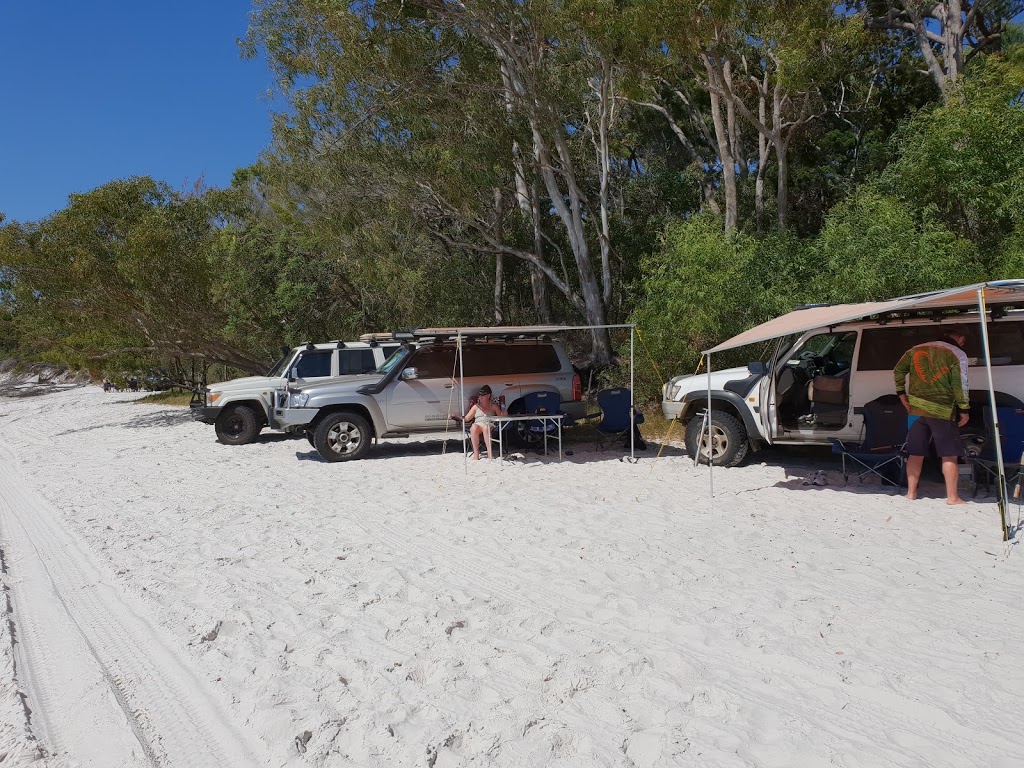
(944, 433)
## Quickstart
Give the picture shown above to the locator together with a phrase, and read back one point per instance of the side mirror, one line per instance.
(757, 368)
(410, 373)
(293, 374)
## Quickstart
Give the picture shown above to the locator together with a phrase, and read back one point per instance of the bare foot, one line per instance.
(954, 502)
(476, 457)
(911, 497)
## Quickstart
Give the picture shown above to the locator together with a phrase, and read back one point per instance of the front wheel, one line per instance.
(342, 437)
(729, 443)
(238, 425)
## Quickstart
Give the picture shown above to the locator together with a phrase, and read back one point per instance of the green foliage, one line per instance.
(694, 287)
(963, 159)
(874, 247)
(122, 272)
(408, 158)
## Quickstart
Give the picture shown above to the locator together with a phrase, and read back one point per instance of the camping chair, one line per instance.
(615, 423)
(883, 448)
(1011, 434)
(541, 402)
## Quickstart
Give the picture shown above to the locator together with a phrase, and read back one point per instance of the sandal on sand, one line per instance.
(816, 478)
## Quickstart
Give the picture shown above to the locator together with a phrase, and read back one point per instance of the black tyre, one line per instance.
(238, 425)
(342, 436)
(309, 436)
(519, 435)
(729, 443)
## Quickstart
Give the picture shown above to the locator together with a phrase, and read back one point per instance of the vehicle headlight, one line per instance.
(213, 397)
(673, 391)
(298, 399)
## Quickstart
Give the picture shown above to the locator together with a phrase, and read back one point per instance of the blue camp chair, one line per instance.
(883, 451)
(543, 402)
(616, 406)
(1011, 438)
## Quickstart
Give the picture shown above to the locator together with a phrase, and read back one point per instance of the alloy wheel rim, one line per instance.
(344, 438)
(719, 442)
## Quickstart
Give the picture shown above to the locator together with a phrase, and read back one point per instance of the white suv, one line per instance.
(240, 408)
(817, 386)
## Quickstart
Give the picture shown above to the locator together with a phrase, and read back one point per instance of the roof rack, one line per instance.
(370, 337)
(505, 333)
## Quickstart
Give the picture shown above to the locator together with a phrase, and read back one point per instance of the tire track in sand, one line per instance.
(104, 687)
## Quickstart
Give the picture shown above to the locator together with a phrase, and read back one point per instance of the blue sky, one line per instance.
(96, 90)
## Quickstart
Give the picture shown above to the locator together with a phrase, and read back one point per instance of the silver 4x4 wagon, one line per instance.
(416, 389)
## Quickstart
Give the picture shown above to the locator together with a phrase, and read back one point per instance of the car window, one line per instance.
(486, 360)
(389, 350)
(883, 347)
(826, 353)
(355, 361)
(510, 359)
(396, 359)
(314, 364)
(534, 358)
(281, 365)
(434, 362)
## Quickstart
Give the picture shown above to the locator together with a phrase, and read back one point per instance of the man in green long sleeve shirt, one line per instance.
(931, 380)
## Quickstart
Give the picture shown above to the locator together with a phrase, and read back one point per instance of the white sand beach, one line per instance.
(177, 602)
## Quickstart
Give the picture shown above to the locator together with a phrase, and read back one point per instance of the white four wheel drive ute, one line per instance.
(239, 409)
(823, 368)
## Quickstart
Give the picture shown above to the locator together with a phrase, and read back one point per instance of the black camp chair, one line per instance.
(883, 451)
(1011, 433)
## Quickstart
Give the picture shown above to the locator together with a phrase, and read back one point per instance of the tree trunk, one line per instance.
(782, 186)
(499, 258)
(517, 58)
(945, 65)
(762, 154)
(604, 118)
(540, 290)
(716, 88)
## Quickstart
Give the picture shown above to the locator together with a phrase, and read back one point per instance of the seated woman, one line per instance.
(481, 413)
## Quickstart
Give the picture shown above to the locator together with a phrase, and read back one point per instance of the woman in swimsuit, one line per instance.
(481, 414)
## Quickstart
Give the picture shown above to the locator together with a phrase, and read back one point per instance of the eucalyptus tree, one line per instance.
(948, 33)
(456, 108)
(790, 62)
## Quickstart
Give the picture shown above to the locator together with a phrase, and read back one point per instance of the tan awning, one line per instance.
(801, 320)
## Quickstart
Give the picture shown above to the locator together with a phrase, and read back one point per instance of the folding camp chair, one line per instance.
(541, 402)
(616, 405)
(1011, 434)
(882, 452)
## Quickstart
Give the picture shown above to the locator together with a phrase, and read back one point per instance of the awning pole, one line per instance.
(462, 400)
(632, 398)
(1001, 473)
(711, 457)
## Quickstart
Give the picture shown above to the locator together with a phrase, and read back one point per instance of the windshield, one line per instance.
(281, 365)
(399, 356)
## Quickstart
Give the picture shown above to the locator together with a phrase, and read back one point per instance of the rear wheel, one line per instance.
(729, 443)
(342, 437)
(238, 425)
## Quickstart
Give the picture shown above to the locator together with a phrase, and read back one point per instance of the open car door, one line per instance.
(767, 394)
